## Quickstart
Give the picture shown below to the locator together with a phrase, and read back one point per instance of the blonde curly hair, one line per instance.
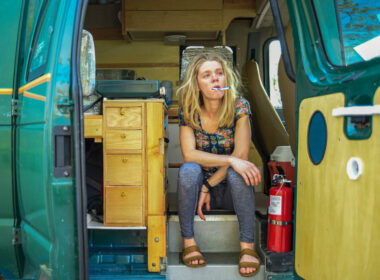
(191, 100)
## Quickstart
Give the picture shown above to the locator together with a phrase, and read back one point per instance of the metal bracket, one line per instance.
(16, 236)
(14, 107)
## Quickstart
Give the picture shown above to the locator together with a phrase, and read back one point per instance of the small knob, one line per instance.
(123, 136)
(123, 194)
(124, 160)
(122, 112)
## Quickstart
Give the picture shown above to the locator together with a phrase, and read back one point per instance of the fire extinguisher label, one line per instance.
(275, 202)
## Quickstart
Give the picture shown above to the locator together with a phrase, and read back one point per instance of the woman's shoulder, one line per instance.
(242, 107)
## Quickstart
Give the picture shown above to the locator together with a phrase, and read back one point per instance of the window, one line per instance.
(350, 29)
(271, 75)
(41, 43)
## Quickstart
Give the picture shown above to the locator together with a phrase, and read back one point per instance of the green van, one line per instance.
(328, 117)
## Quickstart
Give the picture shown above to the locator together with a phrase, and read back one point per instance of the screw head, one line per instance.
(156, 239)
(66, 173)
(65, 128)
(153, 264)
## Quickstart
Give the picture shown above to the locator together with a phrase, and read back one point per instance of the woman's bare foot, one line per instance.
(188, 243)
(247, 258)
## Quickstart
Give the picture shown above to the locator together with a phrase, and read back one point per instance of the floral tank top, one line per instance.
(222, 141)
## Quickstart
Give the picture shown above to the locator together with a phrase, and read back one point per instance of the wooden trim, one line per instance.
(175, 165)
(106, 33)
(173, 120)
(135, 65)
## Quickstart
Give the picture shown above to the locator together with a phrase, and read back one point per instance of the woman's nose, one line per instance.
(215, 77)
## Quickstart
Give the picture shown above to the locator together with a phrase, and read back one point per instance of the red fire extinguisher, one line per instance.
(280, 215)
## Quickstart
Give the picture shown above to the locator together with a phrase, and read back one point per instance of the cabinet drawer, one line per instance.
(123, 205)
(123, 170)
(123, 117)
(123, 140)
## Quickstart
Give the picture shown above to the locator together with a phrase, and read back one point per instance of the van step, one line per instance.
(220, 266)
(219, 233)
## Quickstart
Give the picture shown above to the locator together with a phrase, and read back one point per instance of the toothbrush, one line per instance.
(223, 88)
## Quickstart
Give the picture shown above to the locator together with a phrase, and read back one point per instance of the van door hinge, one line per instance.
(64, 105)
(14, 107)
(16, 236)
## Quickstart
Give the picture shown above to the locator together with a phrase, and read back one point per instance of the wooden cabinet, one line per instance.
(134, 171)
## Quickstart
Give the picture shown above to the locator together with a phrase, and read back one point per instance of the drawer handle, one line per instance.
(122, 112)
(123, 136)
(124, 160)
(123, 194)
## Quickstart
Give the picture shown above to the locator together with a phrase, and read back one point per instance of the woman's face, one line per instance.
(211, 75)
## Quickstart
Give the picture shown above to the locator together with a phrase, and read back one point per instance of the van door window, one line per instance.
(350, 29)
(41, 42)
(274, 54)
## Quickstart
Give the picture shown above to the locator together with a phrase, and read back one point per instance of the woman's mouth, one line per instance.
(217, 88)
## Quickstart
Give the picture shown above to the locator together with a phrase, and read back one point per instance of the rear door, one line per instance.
(338, 100)
(10, 15)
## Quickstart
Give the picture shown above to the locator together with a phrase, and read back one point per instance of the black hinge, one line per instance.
(14, 107)
(16, 236)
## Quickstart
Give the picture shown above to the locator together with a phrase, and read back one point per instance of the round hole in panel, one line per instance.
(317, 137)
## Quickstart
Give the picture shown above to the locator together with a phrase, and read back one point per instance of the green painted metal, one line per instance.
(45, 205)
(9, 26)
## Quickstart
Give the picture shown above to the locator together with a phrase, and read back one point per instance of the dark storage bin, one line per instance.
(128, 88)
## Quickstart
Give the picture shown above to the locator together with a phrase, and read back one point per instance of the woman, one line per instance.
(215, 137)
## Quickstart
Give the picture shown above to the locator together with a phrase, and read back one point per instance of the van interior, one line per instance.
(136, 52)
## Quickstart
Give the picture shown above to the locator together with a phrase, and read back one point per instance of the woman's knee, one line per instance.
(233, 176)
(189, 172)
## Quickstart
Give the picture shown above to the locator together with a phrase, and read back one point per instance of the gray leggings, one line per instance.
(233, 195)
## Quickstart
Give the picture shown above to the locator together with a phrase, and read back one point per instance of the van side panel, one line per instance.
(9, 25)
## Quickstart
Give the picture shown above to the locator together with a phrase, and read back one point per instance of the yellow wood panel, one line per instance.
(123, 117)
(173, 5)
(338, 219)
(118, 51)
(173, 20)
(93, 126)
(156, 241)
(123, 140)
(155, 156)
(123, 169)
(123, 206)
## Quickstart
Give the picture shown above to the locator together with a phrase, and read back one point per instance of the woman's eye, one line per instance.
(220, 73)
(206, 75)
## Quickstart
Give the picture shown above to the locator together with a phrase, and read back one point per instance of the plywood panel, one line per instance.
(123, 206)
(338, 219)
(173, 20)
(155, 156)
(119, 51)
(167, 5)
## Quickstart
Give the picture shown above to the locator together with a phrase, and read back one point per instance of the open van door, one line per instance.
(338, 104)
(46, 188)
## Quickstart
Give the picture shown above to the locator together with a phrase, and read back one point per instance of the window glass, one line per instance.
(40, 46)
(350, 29)
(274, 53)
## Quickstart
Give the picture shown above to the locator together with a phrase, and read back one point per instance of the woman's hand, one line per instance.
(247, 170)
(204, 198)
